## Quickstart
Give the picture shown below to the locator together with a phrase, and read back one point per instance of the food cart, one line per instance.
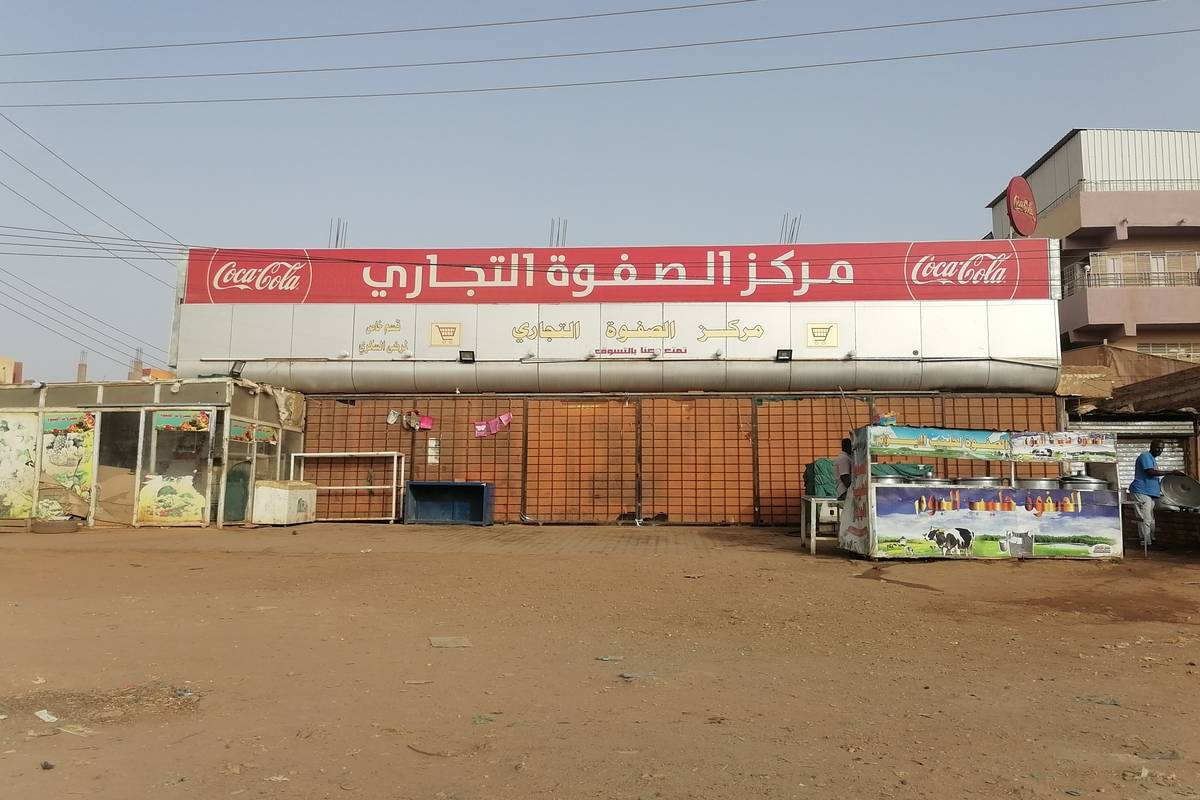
(980, 517)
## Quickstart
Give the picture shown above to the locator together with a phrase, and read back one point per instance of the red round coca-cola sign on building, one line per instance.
(242, 276)
(989, 269)
(1022, 207)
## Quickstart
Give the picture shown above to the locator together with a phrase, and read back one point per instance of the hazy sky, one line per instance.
(896, 151)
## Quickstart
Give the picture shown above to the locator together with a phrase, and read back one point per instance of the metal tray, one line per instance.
(1037, 483)
(1180, 491)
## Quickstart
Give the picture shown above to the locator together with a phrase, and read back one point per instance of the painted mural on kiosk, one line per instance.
(18, 467)
(170, 500)
(924, 521)
(993, 445)
(68, 446)
(854, 525)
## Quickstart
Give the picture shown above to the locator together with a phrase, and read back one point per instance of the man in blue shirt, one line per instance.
(1147, 488)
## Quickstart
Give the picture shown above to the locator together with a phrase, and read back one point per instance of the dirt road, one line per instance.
(604, 663)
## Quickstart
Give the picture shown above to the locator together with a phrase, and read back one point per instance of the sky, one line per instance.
(875, 152)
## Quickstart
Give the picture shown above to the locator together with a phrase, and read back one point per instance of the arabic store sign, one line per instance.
(658, 336)
(971, 270)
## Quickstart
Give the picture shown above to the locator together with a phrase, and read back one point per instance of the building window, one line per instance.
(1186, 351)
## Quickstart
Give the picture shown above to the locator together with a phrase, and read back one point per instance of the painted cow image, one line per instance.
(951, 541)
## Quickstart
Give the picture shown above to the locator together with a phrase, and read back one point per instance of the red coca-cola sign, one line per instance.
(760, 273)
(1022, 207)
(991, 272)
(241, 276)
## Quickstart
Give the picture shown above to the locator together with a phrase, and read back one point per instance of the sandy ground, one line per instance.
(604, 663)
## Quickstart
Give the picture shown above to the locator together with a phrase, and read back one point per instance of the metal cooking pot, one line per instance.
(934, 481)
(1084, 483)
(987, 481)
(1181, 491)
(1037, 483)
(889, 480)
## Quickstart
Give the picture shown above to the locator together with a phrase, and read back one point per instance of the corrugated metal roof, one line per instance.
(1045, 157)
(1066, 138)
(1135, 426)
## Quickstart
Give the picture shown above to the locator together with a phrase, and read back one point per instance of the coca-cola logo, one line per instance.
(1022, 206)
(235, 277)
(962, 271)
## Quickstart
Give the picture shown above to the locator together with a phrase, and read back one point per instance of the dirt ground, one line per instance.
(604, 663)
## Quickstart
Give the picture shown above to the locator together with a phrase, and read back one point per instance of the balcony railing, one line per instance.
(1160, 185)
(1138, 269)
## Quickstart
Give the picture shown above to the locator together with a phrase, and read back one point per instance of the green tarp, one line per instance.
(819, 480)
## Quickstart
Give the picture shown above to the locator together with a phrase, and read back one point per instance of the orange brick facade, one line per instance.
(707, 460)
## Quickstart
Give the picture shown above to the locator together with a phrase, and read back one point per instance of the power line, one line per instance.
(71, 167)
(101, 351)
(68, 233)
(112, 344)
(336, 257)
(105, 335)
(860, 261)
(100, 245)
(46, 181)
(78, 310)
(584, 53)
(71, 239)
(385, 32)
(57, 299)
(606, 82)
(112, 255)
(115, 248)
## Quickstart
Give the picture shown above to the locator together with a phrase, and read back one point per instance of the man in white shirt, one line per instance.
(841, 467)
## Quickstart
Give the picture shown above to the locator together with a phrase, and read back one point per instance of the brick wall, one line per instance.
(710, 459)
(1173, 530)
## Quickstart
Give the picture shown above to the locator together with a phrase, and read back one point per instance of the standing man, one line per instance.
(1147, 488)
(842, 467)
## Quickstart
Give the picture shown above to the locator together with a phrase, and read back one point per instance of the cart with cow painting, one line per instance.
(980, 517)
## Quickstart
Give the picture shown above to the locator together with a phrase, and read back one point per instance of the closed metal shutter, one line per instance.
(1148, 429)
(1129, 449)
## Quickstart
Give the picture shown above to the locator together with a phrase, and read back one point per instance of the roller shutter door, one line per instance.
(1128, 450)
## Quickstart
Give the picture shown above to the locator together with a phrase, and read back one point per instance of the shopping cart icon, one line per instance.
(446, 334)
(822, 335)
